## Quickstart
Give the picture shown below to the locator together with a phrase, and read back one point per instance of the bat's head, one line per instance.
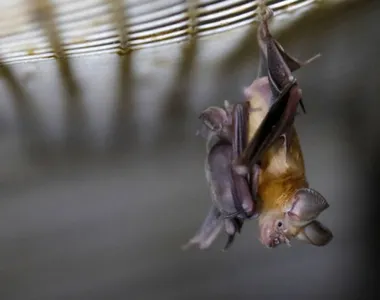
(297, 219)
(273, 229)
(215, 120)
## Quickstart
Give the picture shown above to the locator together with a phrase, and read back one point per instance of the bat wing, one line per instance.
(243, 197)
(285, 97)
(276, 123)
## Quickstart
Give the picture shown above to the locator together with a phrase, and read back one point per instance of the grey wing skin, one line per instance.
(218, 174)
(222, 214)
(209, 230)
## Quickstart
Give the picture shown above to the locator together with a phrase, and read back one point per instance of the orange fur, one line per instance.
(281, 173)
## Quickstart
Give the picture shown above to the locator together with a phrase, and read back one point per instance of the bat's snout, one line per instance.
(270, 238)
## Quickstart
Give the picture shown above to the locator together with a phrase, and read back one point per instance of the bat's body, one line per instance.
(287, 208)
(280, 170)
(281, 177)
(230, 192)
(254, 154)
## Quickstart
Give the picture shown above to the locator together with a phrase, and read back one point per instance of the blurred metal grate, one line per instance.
(40, 29)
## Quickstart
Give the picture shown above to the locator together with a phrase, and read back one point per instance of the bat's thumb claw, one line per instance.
(226, 104)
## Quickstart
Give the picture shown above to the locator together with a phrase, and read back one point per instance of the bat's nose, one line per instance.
(265, 236)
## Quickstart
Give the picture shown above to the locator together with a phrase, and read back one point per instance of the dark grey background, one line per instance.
(101, 177)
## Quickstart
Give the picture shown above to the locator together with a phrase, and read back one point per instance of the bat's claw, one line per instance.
(264, 12)
(229, 243)
(233, 227)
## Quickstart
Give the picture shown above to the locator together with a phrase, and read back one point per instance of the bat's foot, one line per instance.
(264, 12)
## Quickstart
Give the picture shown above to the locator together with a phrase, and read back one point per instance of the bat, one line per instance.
(287, 207)
(255, 143)
(286, 95)
(232, 202)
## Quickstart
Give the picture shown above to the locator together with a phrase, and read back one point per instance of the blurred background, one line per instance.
(101, 174)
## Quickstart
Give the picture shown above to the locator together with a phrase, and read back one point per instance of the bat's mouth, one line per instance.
(270, 238)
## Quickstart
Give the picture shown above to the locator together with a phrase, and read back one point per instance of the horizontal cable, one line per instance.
(92, 26)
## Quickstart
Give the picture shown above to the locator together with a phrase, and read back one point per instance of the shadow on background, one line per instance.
(32, 137)
(177, 99)
(123, 136)
(107, 230)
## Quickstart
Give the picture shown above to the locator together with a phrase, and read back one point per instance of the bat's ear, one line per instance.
(305, 206)
(315, 233)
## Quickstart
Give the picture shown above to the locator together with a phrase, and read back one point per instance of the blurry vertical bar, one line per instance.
(32, 140)
(44, 12)
(120, 18)
(193, 17)
(123, 133)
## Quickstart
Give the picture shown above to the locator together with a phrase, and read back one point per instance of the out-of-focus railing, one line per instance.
(41, 29)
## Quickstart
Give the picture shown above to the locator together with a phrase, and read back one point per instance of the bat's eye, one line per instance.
(279, 224)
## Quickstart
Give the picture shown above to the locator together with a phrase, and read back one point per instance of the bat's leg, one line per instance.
(265, 37)
(208, 232)
(275, 62)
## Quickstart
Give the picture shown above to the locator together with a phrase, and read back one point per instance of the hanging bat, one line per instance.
(272, 162)
(232, 203)
(287, 206)
(285, 96)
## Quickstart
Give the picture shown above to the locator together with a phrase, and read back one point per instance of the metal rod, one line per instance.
(120, 18)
